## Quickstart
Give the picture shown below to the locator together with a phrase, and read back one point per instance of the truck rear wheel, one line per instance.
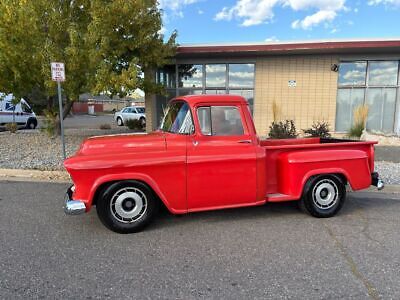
(127, 206)
(323, 196)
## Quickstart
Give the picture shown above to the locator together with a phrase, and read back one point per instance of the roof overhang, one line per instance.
(290, 48)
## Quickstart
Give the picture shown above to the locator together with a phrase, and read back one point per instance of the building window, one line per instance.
(190, 76)
(212, 79)
(383, 73)
(382, 105)
(374, 83)
(352, 73)
(166, 76)
(241, 75)
(347, 101)
(216, 75)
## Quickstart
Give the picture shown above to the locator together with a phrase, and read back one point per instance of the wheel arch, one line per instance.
(338, 173)
(104, 182)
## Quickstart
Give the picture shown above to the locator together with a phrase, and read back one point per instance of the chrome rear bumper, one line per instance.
(376, 181)
(73, 207)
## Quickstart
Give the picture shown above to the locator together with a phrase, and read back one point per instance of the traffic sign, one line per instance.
(57, 71)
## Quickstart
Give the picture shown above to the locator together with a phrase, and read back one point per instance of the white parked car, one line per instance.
(22, 113)
(132, 112)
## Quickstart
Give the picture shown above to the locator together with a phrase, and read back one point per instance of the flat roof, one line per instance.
(290, 47)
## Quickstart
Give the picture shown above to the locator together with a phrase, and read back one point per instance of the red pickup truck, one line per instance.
(205, 156)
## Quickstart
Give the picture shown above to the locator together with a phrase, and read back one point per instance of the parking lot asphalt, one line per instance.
(273, 251)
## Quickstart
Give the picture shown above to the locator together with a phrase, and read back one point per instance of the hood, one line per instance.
(123, 143)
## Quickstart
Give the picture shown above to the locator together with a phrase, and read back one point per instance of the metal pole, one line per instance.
(61, 119)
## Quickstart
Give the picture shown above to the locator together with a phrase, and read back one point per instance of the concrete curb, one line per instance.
(34, 175)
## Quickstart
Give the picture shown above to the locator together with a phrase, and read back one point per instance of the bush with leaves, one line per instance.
(12, 127)
(50, 122)
(134, 124)
(282, 130)
(318, 129)
(360, 116)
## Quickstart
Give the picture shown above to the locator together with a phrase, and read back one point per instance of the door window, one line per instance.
(220, 120)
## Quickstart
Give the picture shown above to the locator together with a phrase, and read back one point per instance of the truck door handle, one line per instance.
(244, 142)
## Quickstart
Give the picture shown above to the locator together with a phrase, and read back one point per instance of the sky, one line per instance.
(252, 21)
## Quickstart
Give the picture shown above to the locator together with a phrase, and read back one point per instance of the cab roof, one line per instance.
(197, 99)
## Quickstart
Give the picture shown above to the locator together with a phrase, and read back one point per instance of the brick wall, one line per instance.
(313, 98)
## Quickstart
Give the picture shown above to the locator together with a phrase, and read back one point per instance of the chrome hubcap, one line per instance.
(128, 205)
(325, 194)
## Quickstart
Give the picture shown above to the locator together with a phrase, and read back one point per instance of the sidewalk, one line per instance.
(387, 153)
(34, 175)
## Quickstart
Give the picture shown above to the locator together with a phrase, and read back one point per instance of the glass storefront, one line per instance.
(215, 78)
(374, 83)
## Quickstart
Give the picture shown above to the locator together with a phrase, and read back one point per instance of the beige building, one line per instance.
(308, 81)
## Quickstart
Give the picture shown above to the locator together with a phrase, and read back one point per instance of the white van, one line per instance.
(23, 112)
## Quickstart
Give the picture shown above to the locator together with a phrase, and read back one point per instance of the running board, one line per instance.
(278, 197)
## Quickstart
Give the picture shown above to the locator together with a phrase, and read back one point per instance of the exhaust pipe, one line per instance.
(376, 181)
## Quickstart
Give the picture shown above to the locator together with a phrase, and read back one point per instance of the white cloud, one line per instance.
(200, 12)
(386, 2)
(175, 6)
(315, 19)
(254, 12)
(272, 39)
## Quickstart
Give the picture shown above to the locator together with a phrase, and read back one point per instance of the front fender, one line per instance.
(130, 176)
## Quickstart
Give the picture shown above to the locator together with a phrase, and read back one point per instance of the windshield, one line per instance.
(177, 118)
(25, 108)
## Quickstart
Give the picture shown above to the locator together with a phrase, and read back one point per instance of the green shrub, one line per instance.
(50, 122)
(105, 126)
(356, 130)
(12, 127)
(360, 116)
(282, 130)
(134, 124)
(318, 129)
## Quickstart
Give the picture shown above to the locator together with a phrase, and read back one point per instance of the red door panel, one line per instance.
(221, 171)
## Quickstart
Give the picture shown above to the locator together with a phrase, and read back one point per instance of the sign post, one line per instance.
(58, 74)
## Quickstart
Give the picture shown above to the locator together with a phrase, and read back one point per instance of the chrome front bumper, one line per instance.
(376, 181)
(73, 207)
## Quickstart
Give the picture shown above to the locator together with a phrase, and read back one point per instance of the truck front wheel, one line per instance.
(323, 196)
(127, 206)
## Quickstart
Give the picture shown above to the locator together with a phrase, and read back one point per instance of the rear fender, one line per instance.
(296, 168)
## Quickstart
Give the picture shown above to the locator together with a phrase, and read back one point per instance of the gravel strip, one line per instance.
(389, 171)
(35, 150)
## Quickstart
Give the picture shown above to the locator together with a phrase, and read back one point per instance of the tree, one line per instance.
(106, 46)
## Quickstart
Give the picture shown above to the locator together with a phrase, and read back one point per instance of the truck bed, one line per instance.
(280, 153)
